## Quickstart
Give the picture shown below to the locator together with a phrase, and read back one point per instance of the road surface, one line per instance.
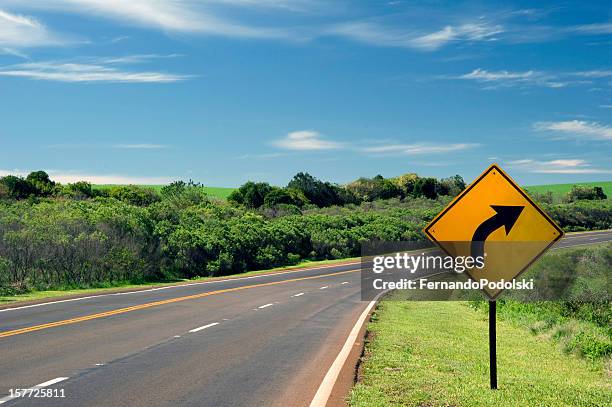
(250, 341)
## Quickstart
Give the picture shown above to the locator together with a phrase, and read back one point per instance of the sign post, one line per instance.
(494, 218)
(493, 343)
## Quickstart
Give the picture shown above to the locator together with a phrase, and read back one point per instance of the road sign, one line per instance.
(496, 210)
(494, 217)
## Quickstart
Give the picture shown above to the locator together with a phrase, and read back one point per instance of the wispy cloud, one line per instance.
(576, 129)
(505, 79)
(565, 166)
(135, 58)
(85, 72)
(419, 148)
(595, 28)
(509, 78)
(184, 16)
(382, 35)
(593, 73)
(306, 140)
(140, 146)
(19, 31)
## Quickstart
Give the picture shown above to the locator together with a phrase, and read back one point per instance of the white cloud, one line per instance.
(508, 78)
(66, 177)
(594, 73)
(19, 31)
(596, 28)
(577, 128)
(377, 34)
(136, 58)
(564, 166)
(80, 72)
(306, 140)
(465, 32)
(169, 15)
(418, 148)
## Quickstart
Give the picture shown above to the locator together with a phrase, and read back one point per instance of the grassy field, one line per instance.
(216, 192)
(436, 354)
(559, 190)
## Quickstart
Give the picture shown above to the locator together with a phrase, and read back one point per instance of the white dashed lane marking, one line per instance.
(203, 327)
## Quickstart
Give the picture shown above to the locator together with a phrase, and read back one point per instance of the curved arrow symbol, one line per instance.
(505, 216)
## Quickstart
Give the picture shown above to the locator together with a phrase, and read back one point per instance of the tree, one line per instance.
(370, 189)
(17, 187)
(284, 196)
(451, 186)
(134, 195)
(183, 194)
(319, 193)
(41, 183)
(426, 187)
(79, 190)
(406, 183)
(251, 194)
(581, 192)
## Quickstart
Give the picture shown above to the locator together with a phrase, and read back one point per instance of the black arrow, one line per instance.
(506, 216)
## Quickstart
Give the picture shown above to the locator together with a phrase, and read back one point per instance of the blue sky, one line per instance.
(224, 91)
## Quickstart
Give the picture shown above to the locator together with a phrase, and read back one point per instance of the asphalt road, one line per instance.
(251, 341)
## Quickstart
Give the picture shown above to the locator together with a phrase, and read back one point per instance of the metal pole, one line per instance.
(492, 344)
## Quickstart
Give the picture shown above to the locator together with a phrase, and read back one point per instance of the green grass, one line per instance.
(436, 354)
(40, 295)
(215, 192)
(558, 190)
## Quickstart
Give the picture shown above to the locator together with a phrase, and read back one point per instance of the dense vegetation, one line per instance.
(580, 318)
(60, 236)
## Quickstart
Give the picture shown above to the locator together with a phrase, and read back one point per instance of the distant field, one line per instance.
(562, 189)
(217, 192)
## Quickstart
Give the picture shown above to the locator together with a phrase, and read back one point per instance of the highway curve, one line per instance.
(252, 341)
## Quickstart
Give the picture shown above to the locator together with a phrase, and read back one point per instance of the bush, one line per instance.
(579, 192)
(134, 195)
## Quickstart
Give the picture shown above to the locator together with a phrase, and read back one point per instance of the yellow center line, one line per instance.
(155, 304)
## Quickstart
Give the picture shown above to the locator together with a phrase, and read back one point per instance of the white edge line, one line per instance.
(38, 386)
(324, 287)
(50, 382)
(203, 327)
(265, 306)
(298, 295)
(329, 381)
(322, 396)
(179, 286)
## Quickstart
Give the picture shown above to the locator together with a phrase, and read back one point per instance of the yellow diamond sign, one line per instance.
(495, 218)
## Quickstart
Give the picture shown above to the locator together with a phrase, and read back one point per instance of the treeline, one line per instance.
(305, 189)
(56, 243)
(74, 236)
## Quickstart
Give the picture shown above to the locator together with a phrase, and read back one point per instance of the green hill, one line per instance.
(559, 190)
(216, 192)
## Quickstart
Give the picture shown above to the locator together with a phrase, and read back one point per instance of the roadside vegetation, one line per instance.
(436, 354)
(550, 353)
(71, 236)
